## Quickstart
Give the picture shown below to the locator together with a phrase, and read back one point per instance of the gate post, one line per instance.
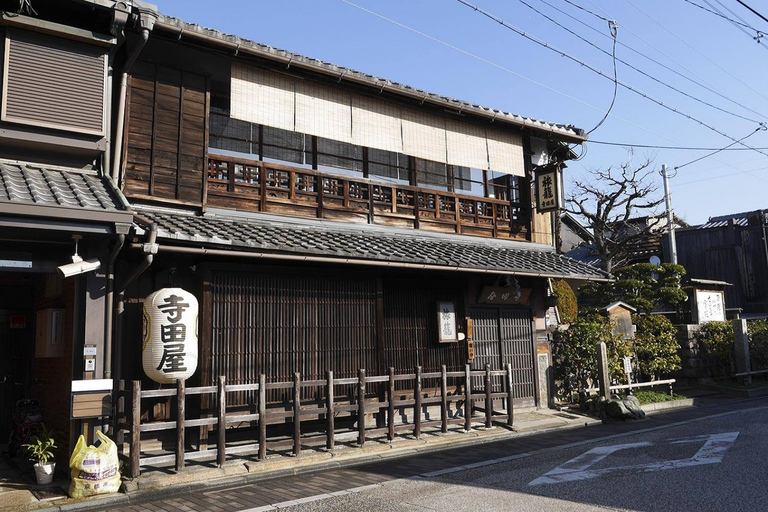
(741, 347)
(603, 376)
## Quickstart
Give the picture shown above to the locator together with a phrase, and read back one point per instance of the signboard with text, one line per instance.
(548, 190)
(710, 306)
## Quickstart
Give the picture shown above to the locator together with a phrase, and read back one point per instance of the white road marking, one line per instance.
(711, 452)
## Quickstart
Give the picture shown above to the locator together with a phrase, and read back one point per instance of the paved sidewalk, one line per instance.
(318, 472)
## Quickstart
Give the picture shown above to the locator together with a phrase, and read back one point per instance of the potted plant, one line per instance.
(40, 451)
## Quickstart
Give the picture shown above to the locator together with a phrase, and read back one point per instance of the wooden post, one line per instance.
(391, 413)
(488, 398)
(361, 407)
(417, 404)
(181, 390)
(602, 371)
(467, 399)
(262, 416)
(136, 429)
(120, 417)
(741, 348)
(221, 445)
(510, 397)
(443, 400)
(330, 413)
(296, 413)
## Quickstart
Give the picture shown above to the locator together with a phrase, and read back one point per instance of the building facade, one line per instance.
(323, 218)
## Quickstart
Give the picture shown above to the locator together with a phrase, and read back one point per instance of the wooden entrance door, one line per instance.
(501, 336)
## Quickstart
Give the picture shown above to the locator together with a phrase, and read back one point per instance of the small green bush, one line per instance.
(652, 397)
(566, 301)
(656, 346)
(758, 344)
(716, 338)
(574, 353)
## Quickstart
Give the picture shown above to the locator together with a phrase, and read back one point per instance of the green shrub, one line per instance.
(566, 300)
(574, 353)
(716, 338)
(758, 344)
(656, 346)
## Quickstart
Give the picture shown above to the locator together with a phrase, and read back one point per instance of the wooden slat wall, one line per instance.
(504, 336)
(280, 324)
(166, 134)
(410, 333)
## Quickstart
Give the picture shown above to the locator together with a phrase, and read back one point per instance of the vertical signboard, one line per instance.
(548, 190)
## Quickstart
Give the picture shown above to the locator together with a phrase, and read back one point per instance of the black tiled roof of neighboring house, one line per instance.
(738, 219)
(47, 186)
(269, 235)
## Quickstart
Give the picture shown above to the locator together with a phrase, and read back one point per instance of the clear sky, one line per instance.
(448, 48)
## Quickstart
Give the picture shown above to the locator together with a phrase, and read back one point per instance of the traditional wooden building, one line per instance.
(322, 215)
(325, 219)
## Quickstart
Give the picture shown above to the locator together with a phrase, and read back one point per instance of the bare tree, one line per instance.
(608, 201)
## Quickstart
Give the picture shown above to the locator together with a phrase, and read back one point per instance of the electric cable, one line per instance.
(762, 128)
(660, 82)
(502, 68)
(753, 11)
(721, 15)
(598, 72)
(661, 64)
(695, 50)
(654, 146)
(587, 10)
(757, 38)
(614, 28)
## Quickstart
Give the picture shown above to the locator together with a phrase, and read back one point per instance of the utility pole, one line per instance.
(670, 217)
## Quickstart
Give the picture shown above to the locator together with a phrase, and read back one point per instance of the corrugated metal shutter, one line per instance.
(54, 83)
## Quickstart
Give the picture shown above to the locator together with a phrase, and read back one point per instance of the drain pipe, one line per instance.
(150, 249)
(109, 309)
(147, 22)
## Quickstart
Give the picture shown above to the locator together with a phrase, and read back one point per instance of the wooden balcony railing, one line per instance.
(268, 187)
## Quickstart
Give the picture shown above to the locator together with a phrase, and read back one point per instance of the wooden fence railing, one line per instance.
(395, 400)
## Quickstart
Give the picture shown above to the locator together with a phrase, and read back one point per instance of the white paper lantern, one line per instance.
(169, 351)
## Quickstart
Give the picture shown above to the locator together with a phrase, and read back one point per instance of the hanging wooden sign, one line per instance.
(169, 352)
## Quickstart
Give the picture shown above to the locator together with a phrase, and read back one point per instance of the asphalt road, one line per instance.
(711, 458)
(717, 464)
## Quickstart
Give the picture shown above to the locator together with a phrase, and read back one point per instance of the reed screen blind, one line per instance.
(273, 99)
(54, 83)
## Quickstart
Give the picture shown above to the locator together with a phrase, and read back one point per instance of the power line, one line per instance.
(653, 146)
(695, 50)
(502, 68)
(668, 68)
(661, 82)
(719, 150)
(757, 38)
(721, 15)
(753, 11)
(597, 71)
(507, 70)
(587, 10)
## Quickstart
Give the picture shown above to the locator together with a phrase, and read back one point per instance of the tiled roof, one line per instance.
(738, 219)
(38, 185)
(265, 234)
(246, 46)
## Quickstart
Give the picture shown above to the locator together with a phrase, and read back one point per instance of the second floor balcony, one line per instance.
(253, 185)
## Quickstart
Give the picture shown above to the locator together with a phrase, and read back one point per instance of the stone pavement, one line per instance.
(314, 474)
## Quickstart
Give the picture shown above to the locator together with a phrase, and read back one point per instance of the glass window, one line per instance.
(283, 145)
(431, 174)
(339, 156)
(388, 165)
(468, 181)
